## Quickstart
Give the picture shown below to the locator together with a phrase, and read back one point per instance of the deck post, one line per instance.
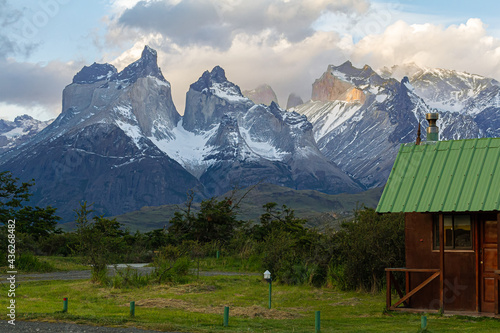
(408, 285)
(388, 290)
(441, 262)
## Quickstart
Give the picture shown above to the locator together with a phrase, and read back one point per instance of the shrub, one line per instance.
(129, 278)
(27, 262)
(366, 247)
(171, 265)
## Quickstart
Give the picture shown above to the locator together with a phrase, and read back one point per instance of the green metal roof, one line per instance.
(446, 176)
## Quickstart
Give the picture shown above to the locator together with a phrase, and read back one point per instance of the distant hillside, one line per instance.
(319, 208)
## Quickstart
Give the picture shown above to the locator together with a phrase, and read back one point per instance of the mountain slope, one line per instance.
(234, 142)
(360, 118)
(15, 133)
(98, 148)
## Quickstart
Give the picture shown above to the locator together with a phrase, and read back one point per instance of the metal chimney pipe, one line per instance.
(432, 130)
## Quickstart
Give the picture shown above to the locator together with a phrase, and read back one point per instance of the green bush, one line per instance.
(129, 278)
(366, 246)
(27, 262)
(171, 265)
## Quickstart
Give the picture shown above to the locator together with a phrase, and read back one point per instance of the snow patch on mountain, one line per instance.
(15, 133)
(125, 112)
(381, 98)
(132, 131)
(159, 82)
(228, 93)
(327, 116)
(263, 148)
(189, 149)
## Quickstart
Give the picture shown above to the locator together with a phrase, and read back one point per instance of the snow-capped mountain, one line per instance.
(360, 117)
(99, 150)
(456, 92)
(227, 140)
(15, 133)
(120, 143)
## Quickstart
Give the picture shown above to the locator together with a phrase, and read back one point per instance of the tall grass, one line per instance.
(27, 262)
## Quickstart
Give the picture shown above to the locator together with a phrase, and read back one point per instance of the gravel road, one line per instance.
(39, 326)
(80, 275)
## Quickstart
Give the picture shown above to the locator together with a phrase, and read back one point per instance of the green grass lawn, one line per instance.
(198, 307)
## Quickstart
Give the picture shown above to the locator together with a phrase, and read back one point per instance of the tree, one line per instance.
(99, 241)
(215, 221)
(282, 219)
(287, 244)
(36, 222)
(367, 245)
(12, 195)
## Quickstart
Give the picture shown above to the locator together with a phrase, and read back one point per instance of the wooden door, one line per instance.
(488, 264)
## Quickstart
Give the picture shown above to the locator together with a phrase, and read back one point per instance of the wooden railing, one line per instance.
(497, 281)
(391, 281)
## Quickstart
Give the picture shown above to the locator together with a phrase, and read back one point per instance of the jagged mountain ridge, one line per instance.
(120, 143)
(99, 150)
(360, 116)
(239, 143)
(457, 92)
(17, 132)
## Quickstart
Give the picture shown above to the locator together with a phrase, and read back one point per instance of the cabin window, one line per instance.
(457, 232)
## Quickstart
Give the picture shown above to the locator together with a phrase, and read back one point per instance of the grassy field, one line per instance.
(198, 307)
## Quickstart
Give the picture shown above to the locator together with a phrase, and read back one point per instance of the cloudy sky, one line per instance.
(285, 43)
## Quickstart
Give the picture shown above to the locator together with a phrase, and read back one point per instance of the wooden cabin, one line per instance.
(450, 194)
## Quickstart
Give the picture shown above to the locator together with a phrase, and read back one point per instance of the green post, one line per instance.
(270, 291)
(217, 255)
(65, 304)
(132, 309)
(423, 322)
(226, 316)
(318, 321)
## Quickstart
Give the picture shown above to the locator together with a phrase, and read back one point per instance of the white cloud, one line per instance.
(256, 41)
(250, 61)
(464, 47)
(216, 23)
(34, 88)
(11, 111)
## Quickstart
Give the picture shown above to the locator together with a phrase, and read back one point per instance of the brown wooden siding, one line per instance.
(460, 268)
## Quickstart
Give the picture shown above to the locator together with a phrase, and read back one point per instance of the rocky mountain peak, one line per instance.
(293, 101)
(146, 66)
(20, 119)
(207, 79)
(329, 87)
(263, 94)
(226, 142)
(94, 73)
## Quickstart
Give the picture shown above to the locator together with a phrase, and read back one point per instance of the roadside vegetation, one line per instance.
(338, 272)
(352, 257)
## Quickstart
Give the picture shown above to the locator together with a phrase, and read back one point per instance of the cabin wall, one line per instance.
(460, 268)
